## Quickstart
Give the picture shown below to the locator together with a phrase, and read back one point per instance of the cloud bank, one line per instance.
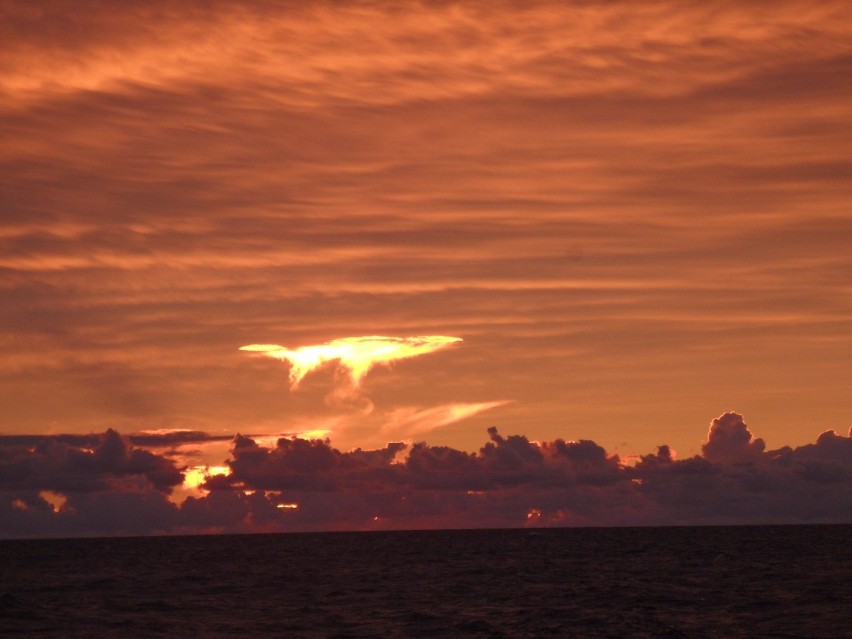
(105, 485)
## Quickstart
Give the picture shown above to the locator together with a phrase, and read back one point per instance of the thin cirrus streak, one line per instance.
(357, 355)
(415, 421)
(601, 198)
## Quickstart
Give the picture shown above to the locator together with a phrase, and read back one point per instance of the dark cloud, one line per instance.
(302, 464)
(826, 461)
(72, 464)
(297, 484)
(77, 441)
(174, 438)
(119, 513)
(161, 439)
(441, 467)
(504, 462)
(730, 441)
(219, 511)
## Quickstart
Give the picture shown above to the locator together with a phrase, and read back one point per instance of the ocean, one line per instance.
(689, 582)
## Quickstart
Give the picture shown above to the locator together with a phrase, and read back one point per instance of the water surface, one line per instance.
(695, 582)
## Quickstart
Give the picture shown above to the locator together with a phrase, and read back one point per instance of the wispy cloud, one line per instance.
(355, 355)
(409, 421)
(604, 200)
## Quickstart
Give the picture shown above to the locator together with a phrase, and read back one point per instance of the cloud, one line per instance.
(408, 421)
(826, 461)
(302, 464)
(353, 358)
(600, 197)
(556, 180)
(481, 50)
(355, 355)
(172, 437)
(296, 484)
(111, 462)
(730, 441)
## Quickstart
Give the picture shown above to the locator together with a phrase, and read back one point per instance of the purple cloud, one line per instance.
(730, 441)
(296, 484)
(92, 463)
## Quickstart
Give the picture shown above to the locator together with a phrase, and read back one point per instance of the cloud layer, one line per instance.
(58, 487)
(632, 213)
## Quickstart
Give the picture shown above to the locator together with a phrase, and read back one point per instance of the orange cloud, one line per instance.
(356, 355)
(613, 198)
(386, 54)
(411, 420)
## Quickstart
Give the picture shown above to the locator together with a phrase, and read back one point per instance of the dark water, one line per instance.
(631, 582)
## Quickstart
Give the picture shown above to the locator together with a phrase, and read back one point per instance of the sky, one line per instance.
(424, 230)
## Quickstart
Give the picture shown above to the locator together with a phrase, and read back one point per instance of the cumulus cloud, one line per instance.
(730, 441)
(105, 461)
(296, 484)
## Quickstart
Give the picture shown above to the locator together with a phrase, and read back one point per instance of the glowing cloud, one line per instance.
(193, 482)
(355, 354)
(197, 475)
(412, 420)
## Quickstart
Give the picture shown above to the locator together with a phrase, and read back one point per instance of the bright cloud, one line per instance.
(411, 420)
(357, 355)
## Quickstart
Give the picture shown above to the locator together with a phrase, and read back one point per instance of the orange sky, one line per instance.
(635, 216)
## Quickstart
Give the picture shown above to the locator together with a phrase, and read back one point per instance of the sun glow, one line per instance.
(194, 477)
(357, 355)
(270, 441)
(56, 500)
(316, 433)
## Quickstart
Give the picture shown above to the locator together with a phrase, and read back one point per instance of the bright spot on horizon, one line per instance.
(355, 354)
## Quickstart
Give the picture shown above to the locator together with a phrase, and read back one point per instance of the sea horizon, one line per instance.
(686, 582)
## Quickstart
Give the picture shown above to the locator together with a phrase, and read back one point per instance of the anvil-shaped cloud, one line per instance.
(355, 354)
